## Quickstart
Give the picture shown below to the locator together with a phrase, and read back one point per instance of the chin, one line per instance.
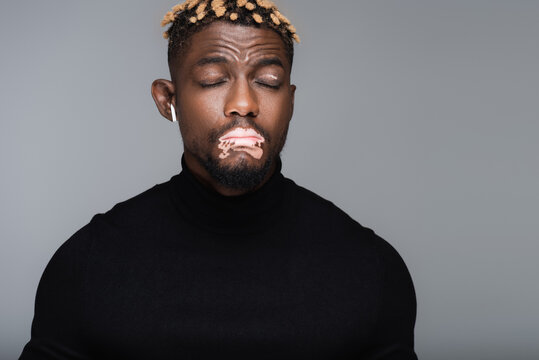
(239, 171)
(242, 159)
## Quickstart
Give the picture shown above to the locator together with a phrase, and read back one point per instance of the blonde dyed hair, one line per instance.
(192, 13)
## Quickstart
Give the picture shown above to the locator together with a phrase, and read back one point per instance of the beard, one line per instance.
(242, 175)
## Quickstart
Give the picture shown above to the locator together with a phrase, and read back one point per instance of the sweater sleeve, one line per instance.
(56, 327)
(394, 331)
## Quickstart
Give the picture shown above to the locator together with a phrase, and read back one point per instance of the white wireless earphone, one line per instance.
(173, 111)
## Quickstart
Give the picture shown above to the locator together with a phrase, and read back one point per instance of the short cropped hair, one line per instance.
(192, 16)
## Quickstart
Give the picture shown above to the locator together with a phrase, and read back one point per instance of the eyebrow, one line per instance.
(211, 60)
(270, 61)
(208, 60)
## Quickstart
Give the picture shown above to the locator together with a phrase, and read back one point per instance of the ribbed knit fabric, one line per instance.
(181, 272)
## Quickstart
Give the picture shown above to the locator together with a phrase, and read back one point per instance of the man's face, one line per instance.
(234, 103)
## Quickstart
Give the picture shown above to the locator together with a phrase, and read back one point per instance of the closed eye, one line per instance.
(212, 84)
(271, 86)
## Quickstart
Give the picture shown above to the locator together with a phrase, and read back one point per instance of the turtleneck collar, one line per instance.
(253, 212)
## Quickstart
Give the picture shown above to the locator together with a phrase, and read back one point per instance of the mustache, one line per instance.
(238, 122)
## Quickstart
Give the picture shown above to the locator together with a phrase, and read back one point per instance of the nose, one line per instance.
(241, 100)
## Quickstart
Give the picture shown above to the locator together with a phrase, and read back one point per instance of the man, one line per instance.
(228, 259)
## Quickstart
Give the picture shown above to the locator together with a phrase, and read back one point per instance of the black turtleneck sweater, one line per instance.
(181, 272)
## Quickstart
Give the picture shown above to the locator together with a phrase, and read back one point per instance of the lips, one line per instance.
(240, 139)
(242, 134)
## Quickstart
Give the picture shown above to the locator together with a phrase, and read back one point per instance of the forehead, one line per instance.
(241, 43)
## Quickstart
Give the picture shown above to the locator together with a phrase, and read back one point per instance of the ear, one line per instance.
(292, 99)
(163, 93)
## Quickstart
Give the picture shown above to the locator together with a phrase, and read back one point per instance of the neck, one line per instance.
(252, 212)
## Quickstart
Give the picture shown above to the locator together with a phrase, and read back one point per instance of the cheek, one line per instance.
(278, 112)
(199, 115)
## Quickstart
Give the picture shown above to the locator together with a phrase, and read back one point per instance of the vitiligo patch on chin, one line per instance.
(240, 139)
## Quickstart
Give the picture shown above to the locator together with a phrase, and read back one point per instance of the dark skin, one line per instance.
(234, 74)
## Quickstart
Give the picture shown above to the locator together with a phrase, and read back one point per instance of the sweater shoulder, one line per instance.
(314, 211)
(139, 209)
(332, 230)
(314, 206)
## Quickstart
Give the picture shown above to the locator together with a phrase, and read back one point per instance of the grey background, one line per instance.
(419, 118)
